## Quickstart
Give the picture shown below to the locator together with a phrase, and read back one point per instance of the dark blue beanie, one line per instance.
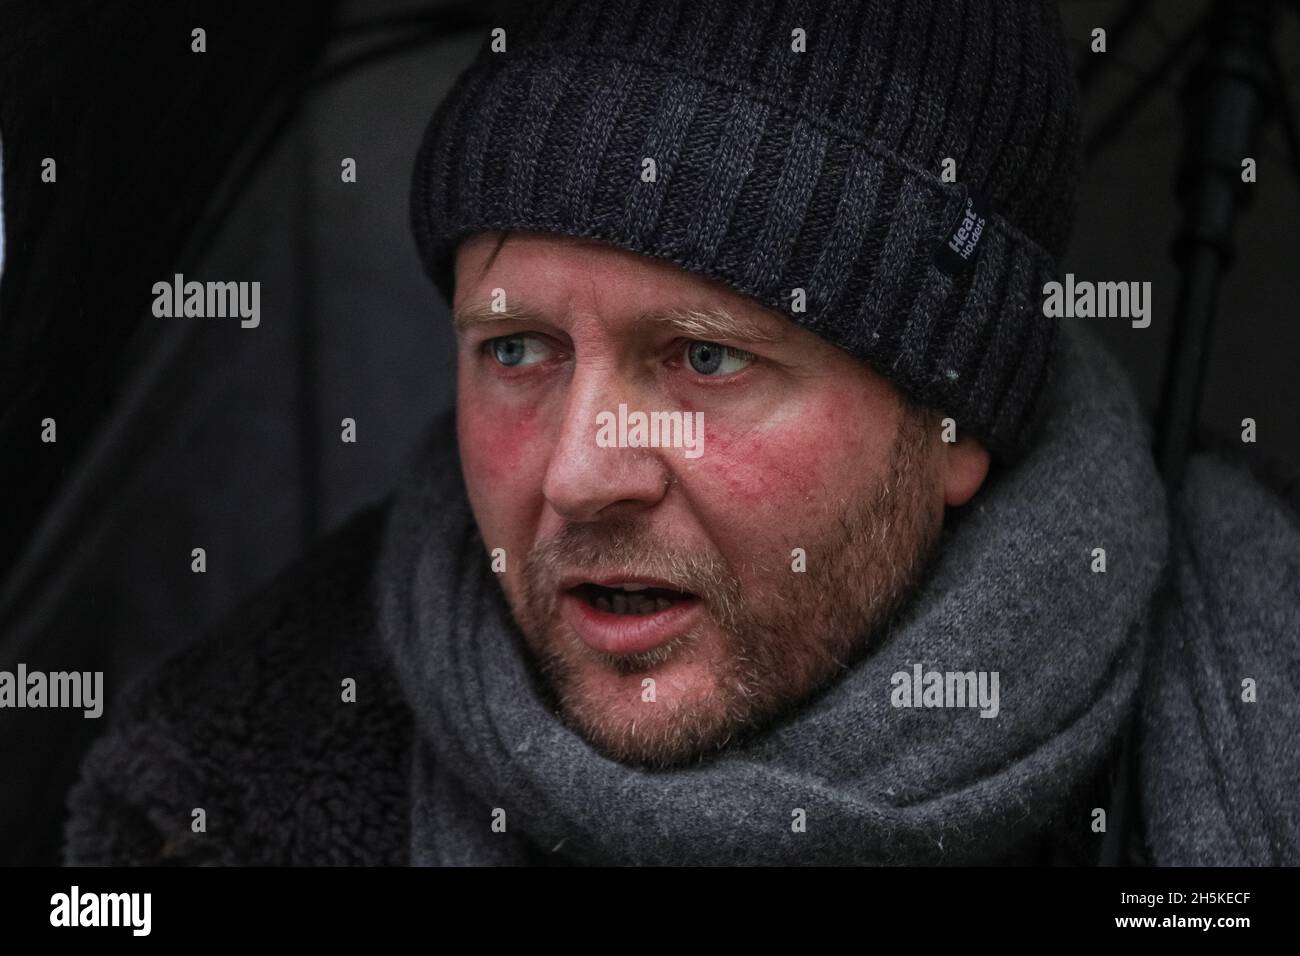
(779, 169)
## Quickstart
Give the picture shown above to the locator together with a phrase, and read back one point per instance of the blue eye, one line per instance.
(515, 350)
(712, 359)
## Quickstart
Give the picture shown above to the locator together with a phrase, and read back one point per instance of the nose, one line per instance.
(587, 482)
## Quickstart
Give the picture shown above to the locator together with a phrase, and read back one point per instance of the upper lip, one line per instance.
(615, 579)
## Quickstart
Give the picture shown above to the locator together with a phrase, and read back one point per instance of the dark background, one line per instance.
(199, 433)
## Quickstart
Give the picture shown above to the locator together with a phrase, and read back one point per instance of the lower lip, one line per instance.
(628, 633)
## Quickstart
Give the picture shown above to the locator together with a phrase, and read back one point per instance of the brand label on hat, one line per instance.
(961, 244)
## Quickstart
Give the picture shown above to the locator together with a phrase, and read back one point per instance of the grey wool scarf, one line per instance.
(1013, 591)
(1220, 758)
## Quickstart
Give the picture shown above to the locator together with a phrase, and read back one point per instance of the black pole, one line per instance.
(1228, 97)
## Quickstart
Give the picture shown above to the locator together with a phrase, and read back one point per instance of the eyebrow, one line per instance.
(709, 324)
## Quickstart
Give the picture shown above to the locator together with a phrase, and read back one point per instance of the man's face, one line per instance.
(677, 597)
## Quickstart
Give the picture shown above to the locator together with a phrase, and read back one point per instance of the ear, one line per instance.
(964, 466)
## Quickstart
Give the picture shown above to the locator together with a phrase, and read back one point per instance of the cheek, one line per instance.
(778, 477)
(760, 468)
(501, 458)
(494, 443)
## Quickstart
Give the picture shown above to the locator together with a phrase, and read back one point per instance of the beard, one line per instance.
(782, 640)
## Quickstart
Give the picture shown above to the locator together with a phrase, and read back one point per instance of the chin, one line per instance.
(658, 715)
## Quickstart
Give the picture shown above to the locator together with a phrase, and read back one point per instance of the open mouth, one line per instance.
(630, 599)
(624, 615)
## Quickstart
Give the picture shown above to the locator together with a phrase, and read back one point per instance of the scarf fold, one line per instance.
(1220, 780)
(849, 778)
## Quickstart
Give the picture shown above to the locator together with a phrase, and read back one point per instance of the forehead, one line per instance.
(557, 274)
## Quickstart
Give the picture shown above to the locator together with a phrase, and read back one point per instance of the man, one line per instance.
(776, 523)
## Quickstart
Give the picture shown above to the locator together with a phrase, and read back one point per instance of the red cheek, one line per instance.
(766, 467)
(498, 440)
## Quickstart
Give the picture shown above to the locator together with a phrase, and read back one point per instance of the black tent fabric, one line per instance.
(141, 131)
(223, 163)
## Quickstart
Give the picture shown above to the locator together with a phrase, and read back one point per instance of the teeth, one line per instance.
(620, 603)
(634, 587)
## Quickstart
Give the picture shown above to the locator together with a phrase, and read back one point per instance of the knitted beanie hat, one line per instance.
(897, 176)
